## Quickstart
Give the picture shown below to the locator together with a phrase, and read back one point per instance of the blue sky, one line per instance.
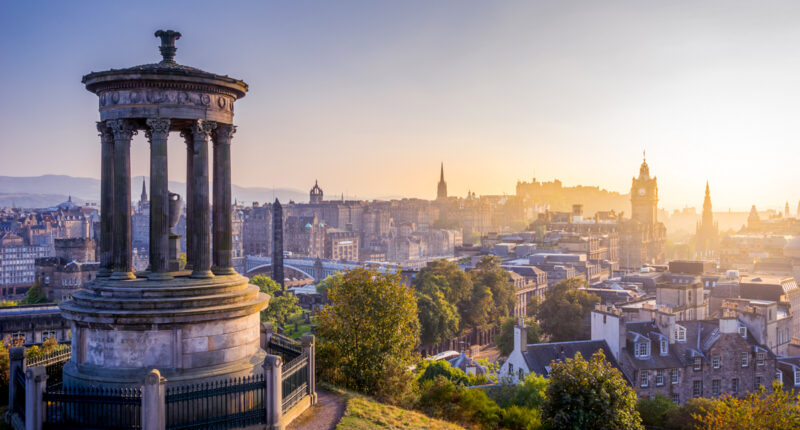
(369, 97)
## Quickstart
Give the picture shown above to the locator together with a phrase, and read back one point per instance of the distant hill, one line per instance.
(49, 190)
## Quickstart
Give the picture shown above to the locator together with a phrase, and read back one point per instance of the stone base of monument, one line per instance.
(190, 329)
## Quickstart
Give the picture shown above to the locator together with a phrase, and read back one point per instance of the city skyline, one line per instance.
(522, 91)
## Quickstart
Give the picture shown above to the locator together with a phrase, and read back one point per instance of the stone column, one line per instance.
(35, 384)
(16, 358)
(106, 200)
(189, 234)
(157, 133)
(273, 396)
(201, 208)
(223, 240)
(154, 415)
(309, 347)
(123, 133)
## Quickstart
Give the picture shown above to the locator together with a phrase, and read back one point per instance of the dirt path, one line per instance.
(325, 415)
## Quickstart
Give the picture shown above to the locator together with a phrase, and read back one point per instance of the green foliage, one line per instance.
(565, 310)
(684, 417)
(5, 364)
(654, 412)
(7, 303)
(265, 284)
(777, 410)
(443, 368)
(530, 393)
(368, 333)
(505, 339)
(441, 398)
(35, 295)
(438, 318)
(325, 284)
(589, 395)
(519, 418)
(443, 293)
(281, 309)
(489, 275)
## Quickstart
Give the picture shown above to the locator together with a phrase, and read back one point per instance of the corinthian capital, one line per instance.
(122, 128)
(224, 133)
(201, 129)
(158, 127)
(106, 136)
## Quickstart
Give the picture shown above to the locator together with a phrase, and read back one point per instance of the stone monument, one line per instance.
(196, 324)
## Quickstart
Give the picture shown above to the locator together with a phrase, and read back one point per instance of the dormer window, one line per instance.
(680, 334)
(743, 331)
(664, 346)
(643, 349)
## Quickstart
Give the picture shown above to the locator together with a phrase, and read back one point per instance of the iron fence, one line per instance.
(288, 349)
(226, 404)
(294, 377)
(93, 408)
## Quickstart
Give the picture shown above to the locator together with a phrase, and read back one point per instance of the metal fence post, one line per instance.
(35, 385)
(154, 401)
(309, 346)
(16, 364)
(273, 394)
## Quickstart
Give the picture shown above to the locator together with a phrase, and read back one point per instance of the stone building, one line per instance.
(643, 237)
(73, 265)
(17, 263)
(32, 324)
(257, 230)
(685, 359)
(341, 245)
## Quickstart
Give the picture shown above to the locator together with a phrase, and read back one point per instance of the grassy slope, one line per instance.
(363, 413)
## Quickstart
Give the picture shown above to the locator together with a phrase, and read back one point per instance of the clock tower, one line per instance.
(644, 197)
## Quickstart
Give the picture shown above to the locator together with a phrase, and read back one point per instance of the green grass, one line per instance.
(302, 327)
(364, 413)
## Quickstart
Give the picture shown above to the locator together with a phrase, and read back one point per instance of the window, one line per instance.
(758, 382)
(664, 346)
(510, 368)
(744, 357)
(735, 386)
(716, 387)
(17, 338)
(521, 374)
(642, 349)
(779, 377)
(680, 334)
(47, 335)
(715, 361)
(675, 376)
(676, 398)
(660, 377)
(760, 356)
(697, 389)
(698, 363)
(743, 331)
(689, 314)
(796, 377)
(644, 377)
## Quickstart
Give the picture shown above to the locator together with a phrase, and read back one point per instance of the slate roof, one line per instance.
(539, 356)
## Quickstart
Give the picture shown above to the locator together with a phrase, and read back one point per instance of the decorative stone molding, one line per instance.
(201, 129)
(138, 96)
(158, 127)
(224, 133)
(122, 129)
(106, 136)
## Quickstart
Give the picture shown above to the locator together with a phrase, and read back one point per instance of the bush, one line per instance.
(654, 412)
(444, 369)
(684, 417)
(519, 418)
(441, 398)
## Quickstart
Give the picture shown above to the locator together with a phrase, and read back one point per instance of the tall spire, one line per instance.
(144, 191)
(441, 190)
(441, 176)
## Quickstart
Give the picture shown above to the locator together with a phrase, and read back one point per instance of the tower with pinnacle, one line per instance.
(707, 232)
(441, 189)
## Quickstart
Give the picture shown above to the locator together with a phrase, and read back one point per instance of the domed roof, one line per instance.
(792, 248)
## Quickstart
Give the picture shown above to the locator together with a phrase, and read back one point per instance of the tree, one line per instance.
(654, 412)
(368, 333)
(505, 339)
(35, 295)
(280, 309)
(589, 395)
(266, 284)
(488, 273)
(778, 410)
(564, 313)
(438, 318)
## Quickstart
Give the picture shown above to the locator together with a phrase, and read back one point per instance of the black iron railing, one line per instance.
(93, 408)
(288, 349)
(19, 392)
(294, 381)
(59, 355)
(227, 404)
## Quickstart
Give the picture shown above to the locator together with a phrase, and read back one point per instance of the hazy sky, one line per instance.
(369, 97)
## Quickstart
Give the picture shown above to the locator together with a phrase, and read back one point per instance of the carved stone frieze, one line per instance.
(220, 102)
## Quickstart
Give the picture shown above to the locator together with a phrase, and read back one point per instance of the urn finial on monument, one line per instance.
(167, 48)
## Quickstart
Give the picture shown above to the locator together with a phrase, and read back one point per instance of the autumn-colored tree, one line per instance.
(565, 310)
(774, 410)
(368, 333)
(589, 395)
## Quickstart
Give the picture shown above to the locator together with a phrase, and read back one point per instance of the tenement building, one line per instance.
(17, 263)
(73, 266)
(685, 359)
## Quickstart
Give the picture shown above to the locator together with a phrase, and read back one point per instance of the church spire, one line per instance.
(144, 192)
(441, 190)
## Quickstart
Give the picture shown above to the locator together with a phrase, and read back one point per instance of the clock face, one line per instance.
(642, 191)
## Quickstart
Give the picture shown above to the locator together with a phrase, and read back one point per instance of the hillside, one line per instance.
(364, 413)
